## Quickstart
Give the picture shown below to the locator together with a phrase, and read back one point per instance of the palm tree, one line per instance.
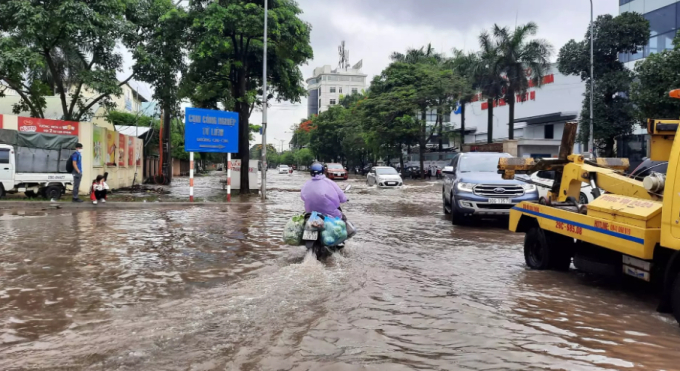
(487, 75)
(464, 65)
(520, 60)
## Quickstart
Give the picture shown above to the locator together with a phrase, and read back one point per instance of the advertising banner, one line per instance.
(131, 150)
(122, 141)
(139, 145)
(111, 147)
(36, 125)
(0, 121)
(98, 147)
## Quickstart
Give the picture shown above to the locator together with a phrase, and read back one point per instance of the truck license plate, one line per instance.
(499, 200)
(310, 235)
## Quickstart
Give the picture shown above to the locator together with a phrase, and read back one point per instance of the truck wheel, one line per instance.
(536, 249)
(675, 298)
(546, 250)
(53, 192)
(582, 199)
(2, 191)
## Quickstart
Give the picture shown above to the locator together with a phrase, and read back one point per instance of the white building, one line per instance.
(539, 116)
(327, 86)
(664, 21)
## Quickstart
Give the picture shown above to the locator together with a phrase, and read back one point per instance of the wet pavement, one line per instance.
(214, 288)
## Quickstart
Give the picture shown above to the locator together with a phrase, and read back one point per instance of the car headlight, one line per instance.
(465, 187)
(529, 187)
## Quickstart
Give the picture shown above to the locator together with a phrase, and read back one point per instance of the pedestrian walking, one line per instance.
(76, 162)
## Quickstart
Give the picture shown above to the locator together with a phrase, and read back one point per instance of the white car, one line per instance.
(384, 176)
(283, 169)
(547, 178)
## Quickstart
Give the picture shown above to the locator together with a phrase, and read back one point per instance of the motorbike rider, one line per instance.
(321, 194)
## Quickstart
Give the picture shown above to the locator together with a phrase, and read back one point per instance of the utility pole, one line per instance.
(592, 83)
(281, 140)
(263, 186)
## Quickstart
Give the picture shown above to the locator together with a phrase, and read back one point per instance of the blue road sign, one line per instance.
(209, 130)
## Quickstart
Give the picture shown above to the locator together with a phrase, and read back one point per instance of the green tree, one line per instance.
(226, 45)
(613, 111)
(655, 77)
(60, 47)
(303, 157)
(517, 54)
(325, 139)
(464, 65)
(487, 76)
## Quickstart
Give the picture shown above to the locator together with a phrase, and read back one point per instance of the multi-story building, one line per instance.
(327, 86)
(664, 22)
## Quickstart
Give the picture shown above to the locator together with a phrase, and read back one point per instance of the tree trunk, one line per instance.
(421, 147)
(167, 151)
(511, 118)
(401, 158)
(462, 125)
(489, 129)
(244, 133)
(440, 118)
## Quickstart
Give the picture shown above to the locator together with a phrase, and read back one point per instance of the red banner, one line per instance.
(121, 149)
(0, 121)
(37, 125)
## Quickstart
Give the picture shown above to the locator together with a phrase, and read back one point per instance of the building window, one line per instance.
(319, 103)
(332, 102)
(340, 90)
(659, 43)
(319, 91)
(549, 131)
(624, 2)
(661, 20)
(355, 90)
(332, 89)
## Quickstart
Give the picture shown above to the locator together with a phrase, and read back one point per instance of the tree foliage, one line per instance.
(655, 77)
(63, 47)
(226, 48)
(613, 111)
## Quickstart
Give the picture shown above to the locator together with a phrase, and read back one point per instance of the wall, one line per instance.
(118, 176)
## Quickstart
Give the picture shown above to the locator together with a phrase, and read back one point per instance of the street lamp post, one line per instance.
(592, 82)
(263, 186)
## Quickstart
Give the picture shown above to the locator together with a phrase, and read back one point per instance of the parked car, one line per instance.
(547, 178)
(283, 169)
(411, 172)
(647, 167)
(336, 171)
(384, 176)
(472, 186)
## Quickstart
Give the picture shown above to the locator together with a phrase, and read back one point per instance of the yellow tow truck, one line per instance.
(632, 229)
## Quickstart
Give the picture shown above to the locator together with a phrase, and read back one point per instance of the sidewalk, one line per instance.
(5, 205)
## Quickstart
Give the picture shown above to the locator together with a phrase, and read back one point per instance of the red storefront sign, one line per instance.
(0, 121)
(37, 125)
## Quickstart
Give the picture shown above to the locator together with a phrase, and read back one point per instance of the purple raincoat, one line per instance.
(322, 195)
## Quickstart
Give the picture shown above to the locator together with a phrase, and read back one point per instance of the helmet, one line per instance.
(315, 169)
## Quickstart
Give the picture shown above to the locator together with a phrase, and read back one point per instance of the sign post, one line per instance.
(210, 131)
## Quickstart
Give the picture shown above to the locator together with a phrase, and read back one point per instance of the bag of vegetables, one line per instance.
(334, 231)
(292, 233)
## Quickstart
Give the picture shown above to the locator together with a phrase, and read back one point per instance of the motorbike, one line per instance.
(313, 241)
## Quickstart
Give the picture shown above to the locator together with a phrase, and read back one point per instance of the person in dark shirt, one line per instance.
(77, 158)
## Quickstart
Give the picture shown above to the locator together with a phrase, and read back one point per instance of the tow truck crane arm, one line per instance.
(571, 170)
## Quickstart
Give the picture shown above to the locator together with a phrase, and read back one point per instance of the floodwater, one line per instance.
(214, 288)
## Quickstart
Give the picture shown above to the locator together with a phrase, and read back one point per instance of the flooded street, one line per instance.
(215, 288)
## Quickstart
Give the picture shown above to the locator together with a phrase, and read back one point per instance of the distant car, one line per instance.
(547, 178)
(283, 169)
(336, 171)
(472, 186)
(384, 176)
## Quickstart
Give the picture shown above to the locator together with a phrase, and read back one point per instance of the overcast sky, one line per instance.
(373, 29)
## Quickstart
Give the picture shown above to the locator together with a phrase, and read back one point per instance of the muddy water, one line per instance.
(213, 288)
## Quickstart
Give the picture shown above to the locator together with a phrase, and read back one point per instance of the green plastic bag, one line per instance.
(292, 233)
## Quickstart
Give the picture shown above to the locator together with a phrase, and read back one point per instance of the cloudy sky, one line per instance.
(373, 29)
